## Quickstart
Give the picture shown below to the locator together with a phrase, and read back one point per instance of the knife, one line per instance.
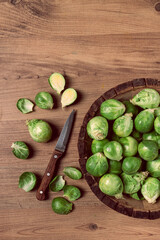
(57, 154)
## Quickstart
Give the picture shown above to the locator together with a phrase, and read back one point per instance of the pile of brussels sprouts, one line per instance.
(125, 147)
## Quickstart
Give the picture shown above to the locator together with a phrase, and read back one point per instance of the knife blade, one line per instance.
(59, 150)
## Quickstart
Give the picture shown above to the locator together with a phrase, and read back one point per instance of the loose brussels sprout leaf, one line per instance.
(71, 192)
(151, 189)
(148, 150)
(131, 165)
(130, 108)
(44, 100)
(130, 146)
(57, 184)
(61, 206)
(97, 164)
(25, 105)
(20, 150)
(115, 167)
(123, 125)
(147, 98)
(111, 184)
(97, 145)
(27, 181)
(68, 97)
(39, 130)
(144, 121)
(153, 136)
(97, 128)
(153, 167)
(57, 82)
(137, 196)
(137, 135)
(157, 124)
(112, 109)
(113, 150)
(72, 172)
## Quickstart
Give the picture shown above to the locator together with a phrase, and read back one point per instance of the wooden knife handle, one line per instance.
(48, 175)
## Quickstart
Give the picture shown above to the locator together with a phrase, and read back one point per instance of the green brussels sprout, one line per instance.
(27, 181)
(61, 206)
(151, 189)
(123, 125)
(153, 136)
(157, 124)
(97, 164)
(115, 167)
(57, 184)
(57, 82)
(157, 111)
(144, 121)
(113, 150)
(72, 172)
(131, 165)
(97, 128)
(20, 150)
(148, 150)
(25, 105)
(137, 195)
(71, 192)
(153, 167)
(97, 145)
(137, 135)
(130, 108)
(112, 109)
(130, 146)
(68, 97)
(111, 184)
(39, 130)
(147, 98)
(44, 100)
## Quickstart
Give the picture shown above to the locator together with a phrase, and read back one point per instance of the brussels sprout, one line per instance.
(130, 108)
(20, 150)
(115, 167)
(123, 125)
(57, 184)
(71, 192)
(147, 98)
(97, 145)
(97, 128)
(44, 100)
(144, 121)
(157, 124)
(27, 181)
(72, 172)
(112, 109)
(68, 97)
(137, 196)
(57, 82)
(157, 111)
(39, 130)
(153, 136)
(113, 150)
(130, 146)
(61, 206)
(153, 167)
(148, 150)
(111, 184)
(151, 189)
(97, 164)
(25, 105)
(131, 165)
(137, 135)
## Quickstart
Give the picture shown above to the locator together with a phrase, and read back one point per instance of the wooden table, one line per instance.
(95, 45)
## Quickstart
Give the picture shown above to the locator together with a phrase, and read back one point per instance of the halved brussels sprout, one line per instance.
(123, 125)
(113, 150)
(144, 121)
(68, 97)
(153, 167)
(137, 135)
(148, 150)
(130, 146)
(157, 124)
(20, 149)
(72, 172)
(97, 164)
(147, 98)
(131, 165)
(44, 100)
(115, 167)
(112, 109)
(57, 82)
(71, 192)
(153, 136)
(97, 145)
(111, 184)
(57, 184)
(151, 189)
(27, 181)
(130, 108)
(61, 206)
(97, 128)
(25, 105)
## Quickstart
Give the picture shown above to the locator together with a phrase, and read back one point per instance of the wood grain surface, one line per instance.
(96, 45)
